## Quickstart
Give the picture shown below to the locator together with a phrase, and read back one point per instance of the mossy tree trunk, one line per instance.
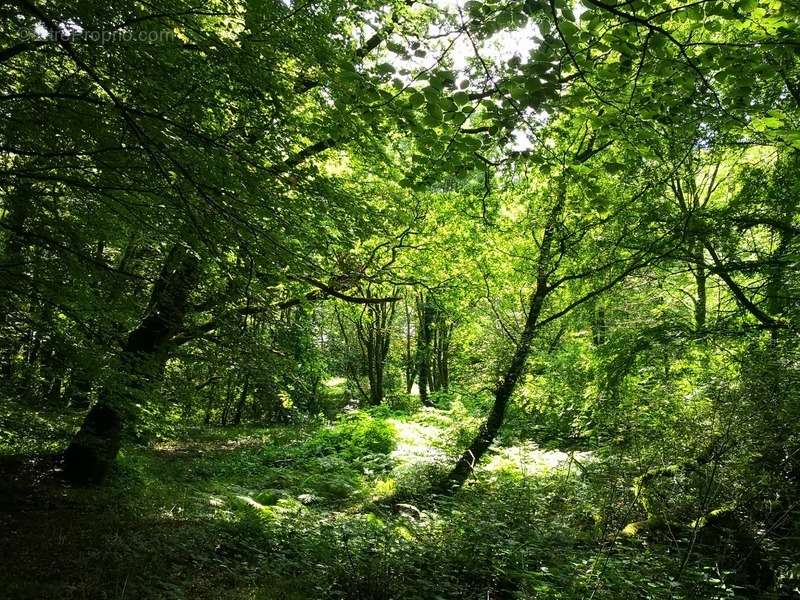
(93, 450)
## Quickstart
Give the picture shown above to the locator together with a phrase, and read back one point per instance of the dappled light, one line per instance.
(417, 442)
(528, 459)
(400, 300)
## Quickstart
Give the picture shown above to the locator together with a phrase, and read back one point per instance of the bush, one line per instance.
(355, 436)
(404, 403)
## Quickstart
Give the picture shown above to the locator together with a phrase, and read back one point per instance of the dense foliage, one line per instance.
(400, 299)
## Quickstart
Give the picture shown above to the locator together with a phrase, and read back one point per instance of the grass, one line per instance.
(294, 512)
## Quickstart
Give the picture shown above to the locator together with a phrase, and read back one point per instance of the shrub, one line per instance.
(355, 436)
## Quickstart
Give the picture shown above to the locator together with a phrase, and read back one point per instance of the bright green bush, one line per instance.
(356, 435)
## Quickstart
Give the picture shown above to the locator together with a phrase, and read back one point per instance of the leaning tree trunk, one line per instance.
(92, 452)
(505, 388)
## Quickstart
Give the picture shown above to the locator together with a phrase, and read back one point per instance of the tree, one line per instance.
(150, 170)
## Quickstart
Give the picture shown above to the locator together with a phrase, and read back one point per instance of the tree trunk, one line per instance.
(376, 390)
(92, 452)
(17, 206)
(502, 394)
(53, 393)
(209, 408)
(442, 332)
(700, 278)
(79, 389)
(435, 368)
(380, 323)
(425, 317)
(237, 417)
(374, 335)
(445, 359)
(223, 418)
(776, 290)
(370, 344)
(387, 315)
(505, 388)
(410, 366)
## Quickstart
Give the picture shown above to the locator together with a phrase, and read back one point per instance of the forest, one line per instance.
(400, 299)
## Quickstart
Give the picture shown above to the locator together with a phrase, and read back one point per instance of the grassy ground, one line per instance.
(298, 512)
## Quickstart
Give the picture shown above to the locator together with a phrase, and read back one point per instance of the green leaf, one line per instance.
(461, 98)
(435, 113)
(415, 99)
(747, 6)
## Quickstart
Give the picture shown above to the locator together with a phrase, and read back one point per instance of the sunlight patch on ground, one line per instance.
(416, 443)
(250, 501)
(335, 381)
(529, 459)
